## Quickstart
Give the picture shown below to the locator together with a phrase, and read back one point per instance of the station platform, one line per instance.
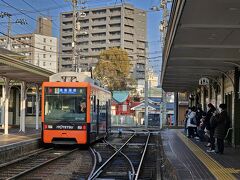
(15, 144)
(15, 136)
(189, 159)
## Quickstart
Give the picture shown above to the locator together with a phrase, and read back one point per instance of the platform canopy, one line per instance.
(203, 40)
(13, 67)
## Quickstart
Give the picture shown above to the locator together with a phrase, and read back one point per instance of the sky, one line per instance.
(31, 9)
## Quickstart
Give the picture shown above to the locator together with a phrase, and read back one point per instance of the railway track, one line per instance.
(49, 163)
(121, 160)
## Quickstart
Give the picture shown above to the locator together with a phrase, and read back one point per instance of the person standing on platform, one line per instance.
(188, 111)
(199, 113)
(220, 131)
(209, 128)
(191, 122)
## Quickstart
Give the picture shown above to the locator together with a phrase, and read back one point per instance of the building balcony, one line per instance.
(114, 44)
(115, 36)
(98, 30)
(66, 33)
(96, 23)
(110, 29)
(66, 48)
(94, 38)
(129, 23)
(68, 26)
(129, 30)
(115, 21)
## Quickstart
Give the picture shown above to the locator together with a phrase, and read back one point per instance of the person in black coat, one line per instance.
(211, 110)
(220, 128)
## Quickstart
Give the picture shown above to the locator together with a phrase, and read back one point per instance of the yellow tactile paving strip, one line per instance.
(220, 172)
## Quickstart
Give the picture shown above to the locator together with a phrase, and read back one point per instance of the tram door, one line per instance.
(228, 102)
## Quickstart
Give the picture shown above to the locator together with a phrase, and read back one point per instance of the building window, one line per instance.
(31, 105)
(124, 107)
(99, 11)
(115, 10)
(44, 55)
(99, 19)
(50, 55)
(44, 63)
(98, 34)
(99, 27)
(114, 41)
(115, 25)
(115, 17)
(50, 40)
(44, 39)
(44, 47)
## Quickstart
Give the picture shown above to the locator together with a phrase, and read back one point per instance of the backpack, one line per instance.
(193, 121)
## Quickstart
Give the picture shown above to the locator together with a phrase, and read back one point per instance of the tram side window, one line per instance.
(93, 103)
(102, 111)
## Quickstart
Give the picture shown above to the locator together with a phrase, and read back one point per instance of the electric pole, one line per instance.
(76, 28)
(9, 41)
(146, 87)
(9, 26)
(74, 6)
(80, 15)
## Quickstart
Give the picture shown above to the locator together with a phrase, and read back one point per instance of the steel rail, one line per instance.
(130, 162)
(25, 157)
(40, 165)
(142, 158)
(95, 162)
(99, 170)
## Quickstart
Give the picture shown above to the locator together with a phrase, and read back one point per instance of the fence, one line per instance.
(118, 120)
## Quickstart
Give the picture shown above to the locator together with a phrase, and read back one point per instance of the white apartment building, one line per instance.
(39, 50)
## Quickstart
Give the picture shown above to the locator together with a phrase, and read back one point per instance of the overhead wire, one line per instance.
(38, 11)
(13, 7)
(156, 52)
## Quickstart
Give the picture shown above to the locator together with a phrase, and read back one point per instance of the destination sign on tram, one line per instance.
(64, 90)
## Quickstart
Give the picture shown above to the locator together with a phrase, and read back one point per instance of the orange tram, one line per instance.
(74, 112)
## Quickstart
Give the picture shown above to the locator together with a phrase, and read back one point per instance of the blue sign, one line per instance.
(67, 91)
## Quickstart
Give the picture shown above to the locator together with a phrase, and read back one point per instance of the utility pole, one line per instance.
(146, 87)
(80, 15)
(74, 6)
(9, 41)
(76, 28)
(18, 21)
(163, 29)
(164, 22)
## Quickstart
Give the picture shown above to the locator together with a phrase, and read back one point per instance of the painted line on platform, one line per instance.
(219, 171)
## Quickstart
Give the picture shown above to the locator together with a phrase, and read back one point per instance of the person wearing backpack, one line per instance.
(191, 122)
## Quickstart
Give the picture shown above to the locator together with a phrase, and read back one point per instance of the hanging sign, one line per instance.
(203, 81)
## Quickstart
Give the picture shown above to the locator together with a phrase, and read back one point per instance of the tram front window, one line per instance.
(65, 104)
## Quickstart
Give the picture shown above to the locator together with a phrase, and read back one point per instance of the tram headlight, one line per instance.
(50, 126)
(79, 127)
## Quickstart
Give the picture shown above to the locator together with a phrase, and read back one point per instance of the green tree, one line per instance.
(112, 70)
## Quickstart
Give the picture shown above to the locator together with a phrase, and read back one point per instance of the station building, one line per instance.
(20, 85)
(205, 45)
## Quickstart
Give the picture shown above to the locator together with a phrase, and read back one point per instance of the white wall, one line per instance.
(47, 59)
